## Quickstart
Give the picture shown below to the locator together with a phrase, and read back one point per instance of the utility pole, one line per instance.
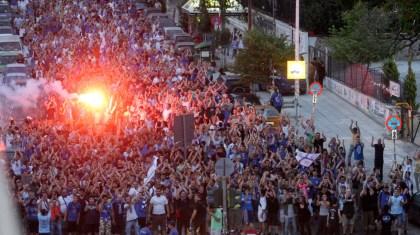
(249, 14)
(274, 17)
(297, 46)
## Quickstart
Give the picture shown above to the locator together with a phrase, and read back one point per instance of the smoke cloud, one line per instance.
(22, 100)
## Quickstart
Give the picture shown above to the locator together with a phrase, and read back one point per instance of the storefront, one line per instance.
(191, 11)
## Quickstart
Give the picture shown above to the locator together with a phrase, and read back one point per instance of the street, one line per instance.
(333, 116)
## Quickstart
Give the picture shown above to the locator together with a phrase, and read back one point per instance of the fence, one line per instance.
(369, 81)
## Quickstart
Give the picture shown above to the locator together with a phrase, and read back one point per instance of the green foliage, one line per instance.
(204, 24)
(406, 22)
(391, 70)
(318, 16)
(222, 37)
(364, 36)
(410, 87)
(261, 54)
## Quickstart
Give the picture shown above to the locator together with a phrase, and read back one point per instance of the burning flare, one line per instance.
(93, 99)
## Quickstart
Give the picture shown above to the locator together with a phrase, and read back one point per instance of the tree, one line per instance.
(204, 25)
(364, 36)
(410, 88)
(406, 23)
(262, 54)
(317, 16)
(410, 94)
(391, 70)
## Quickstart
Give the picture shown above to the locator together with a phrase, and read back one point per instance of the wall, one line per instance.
(370, 106)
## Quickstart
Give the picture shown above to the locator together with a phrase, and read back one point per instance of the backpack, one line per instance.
(348, 209)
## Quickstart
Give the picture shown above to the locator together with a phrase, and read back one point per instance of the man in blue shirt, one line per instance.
(277, 100)
(172, 228)
(140, 207)
(146, 230)
(73, 215)
(105, 209)
(396, 203)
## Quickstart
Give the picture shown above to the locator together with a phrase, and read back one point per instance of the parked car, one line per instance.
(235, 85)
(166, 22)
(154, 16)
(271, 115)
(10, 43)
(172, 30)
(5, 10)
(151, 10)
(6, 30)
(183, 37)
(8, 57)
(185, 45)
(17, 68)
(140, 5)
(18, 79)
(414, 211)
(287, 86)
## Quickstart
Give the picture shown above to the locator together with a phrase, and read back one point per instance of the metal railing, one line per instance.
(369, 81)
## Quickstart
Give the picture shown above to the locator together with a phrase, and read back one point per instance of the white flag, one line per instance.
(151, 171)
(306, 159)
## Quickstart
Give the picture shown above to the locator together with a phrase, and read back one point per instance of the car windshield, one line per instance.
(4, 10)
(4, 60)
(10, 46)
(16, 70)
(183, 39)
(271, 113)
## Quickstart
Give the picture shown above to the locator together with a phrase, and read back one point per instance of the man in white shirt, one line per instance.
(134, 190)
(158, 211)
(131, 219)
(17, 165)
(64, 201)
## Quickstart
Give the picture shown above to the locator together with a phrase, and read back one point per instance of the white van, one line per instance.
(9, 43)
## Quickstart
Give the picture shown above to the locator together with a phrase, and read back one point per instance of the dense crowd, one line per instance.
(76, 177)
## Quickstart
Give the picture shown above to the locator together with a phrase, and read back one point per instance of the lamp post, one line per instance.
(297, 57)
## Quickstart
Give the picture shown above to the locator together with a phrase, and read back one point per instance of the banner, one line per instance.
(394, 89)
(306, 159)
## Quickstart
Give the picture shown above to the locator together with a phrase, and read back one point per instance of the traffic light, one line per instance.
(214, 197)
(234, 198)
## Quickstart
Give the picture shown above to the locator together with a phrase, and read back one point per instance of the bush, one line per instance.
(390, 70)
(222, 37)
(410, 87)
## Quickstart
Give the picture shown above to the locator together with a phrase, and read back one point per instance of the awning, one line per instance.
(192, 7)
(203, 45)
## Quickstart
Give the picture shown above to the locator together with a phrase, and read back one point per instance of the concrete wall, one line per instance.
(375, 109)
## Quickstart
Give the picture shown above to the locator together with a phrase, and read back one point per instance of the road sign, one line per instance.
(393, 122)
(296, 69)
(394, 134)
(315, 88)
(314, 98)
(224, 167)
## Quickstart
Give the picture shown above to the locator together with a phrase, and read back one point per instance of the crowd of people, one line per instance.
(127, 176)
